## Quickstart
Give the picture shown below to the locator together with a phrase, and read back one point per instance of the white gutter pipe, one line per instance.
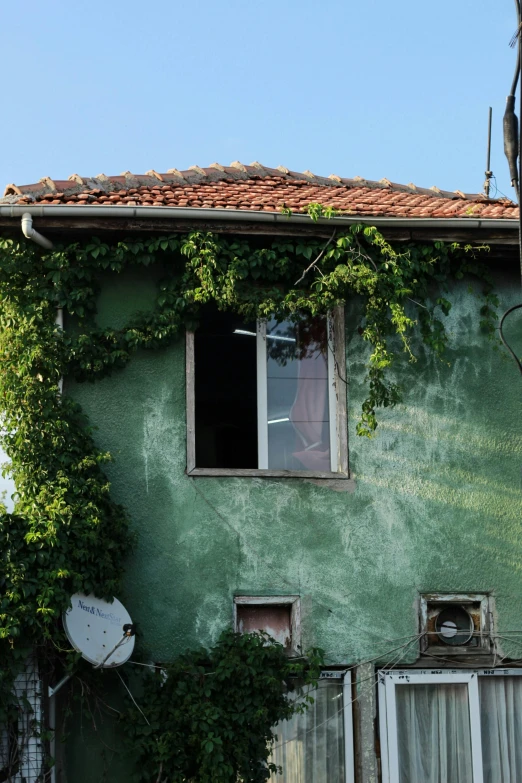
(30, 233)
(242, 215)
(59, 324)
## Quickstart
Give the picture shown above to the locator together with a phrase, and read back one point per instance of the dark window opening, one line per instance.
(225, 391)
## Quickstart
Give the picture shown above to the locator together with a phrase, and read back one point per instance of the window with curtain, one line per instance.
(316, 746)
(501, 726)
(266, 395)
(451, 726)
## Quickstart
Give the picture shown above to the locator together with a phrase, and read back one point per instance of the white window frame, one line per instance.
(389, 680)
(336, 399)
(349, 740)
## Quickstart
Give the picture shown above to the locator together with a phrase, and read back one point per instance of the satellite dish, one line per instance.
(454, 626)
(102, 632)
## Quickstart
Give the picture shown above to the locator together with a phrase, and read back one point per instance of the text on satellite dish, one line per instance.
(99, 613)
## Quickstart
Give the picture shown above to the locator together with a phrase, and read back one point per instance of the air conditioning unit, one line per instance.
(455, 624)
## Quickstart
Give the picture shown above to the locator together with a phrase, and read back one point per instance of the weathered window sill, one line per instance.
(337, 481)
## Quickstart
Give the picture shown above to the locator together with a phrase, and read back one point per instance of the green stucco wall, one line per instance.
(436, 508)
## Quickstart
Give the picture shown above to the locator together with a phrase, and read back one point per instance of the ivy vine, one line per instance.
(209, 717)
(66, 534)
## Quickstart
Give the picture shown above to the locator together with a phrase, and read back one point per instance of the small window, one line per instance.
(266, 397)
(458, 726)
(317, 745)
(279, 616)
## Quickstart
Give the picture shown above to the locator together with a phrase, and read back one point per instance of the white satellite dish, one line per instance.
(102, 632)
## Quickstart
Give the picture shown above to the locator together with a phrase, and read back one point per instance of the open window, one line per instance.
(317, 745)
(451, 725)
(266, 397)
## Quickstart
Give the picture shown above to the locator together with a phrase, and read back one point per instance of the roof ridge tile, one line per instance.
(49, 183)
(177, 174)
(257, 187)
(152, 173)
(198, 170)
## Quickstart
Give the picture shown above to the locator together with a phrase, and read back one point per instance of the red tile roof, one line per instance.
(257, 188)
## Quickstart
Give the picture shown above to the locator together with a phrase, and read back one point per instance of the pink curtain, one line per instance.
(308, 413)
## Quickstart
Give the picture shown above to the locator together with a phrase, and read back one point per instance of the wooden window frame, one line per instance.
(293, 601)
(337, 397)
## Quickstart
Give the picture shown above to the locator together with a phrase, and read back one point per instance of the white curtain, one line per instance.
(501, 722)
(434, 735)
(310, 747)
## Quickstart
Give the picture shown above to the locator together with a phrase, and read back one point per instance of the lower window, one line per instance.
(317, 745)
(454, 726)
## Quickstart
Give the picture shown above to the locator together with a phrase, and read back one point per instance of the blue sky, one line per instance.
(371, 88)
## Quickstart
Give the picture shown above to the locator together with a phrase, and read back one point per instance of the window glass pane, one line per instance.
(310, 747)
(297, 395)
(501, 722)
(225, 391)
(433, 732)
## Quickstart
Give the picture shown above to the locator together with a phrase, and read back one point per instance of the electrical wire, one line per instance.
(374, 676)
(261, 559)
(132, 697)
(513, 41)
(414, 638)
(513, 88)
(148, 665)
(493, 181)
(501, 332)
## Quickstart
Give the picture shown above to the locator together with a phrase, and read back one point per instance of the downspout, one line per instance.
(59, 324)
(30, 233)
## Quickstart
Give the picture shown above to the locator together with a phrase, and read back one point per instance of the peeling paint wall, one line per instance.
(437, 505)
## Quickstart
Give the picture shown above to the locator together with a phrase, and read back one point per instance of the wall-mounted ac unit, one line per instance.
(455, 624)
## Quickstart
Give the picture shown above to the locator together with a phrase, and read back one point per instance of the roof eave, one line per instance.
(250, 216)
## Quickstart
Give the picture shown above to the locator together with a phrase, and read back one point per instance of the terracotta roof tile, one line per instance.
(259, 188)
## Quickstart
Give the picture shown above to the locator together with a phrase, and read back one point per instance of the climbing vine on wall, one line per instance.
(66, 533)
(209, 716)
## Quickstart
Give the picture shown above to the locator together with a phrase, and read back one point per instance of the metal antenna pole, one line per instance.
(489, 173)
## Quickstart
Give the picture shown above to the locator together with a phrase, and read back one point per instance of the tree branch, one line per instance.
(321, 254)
